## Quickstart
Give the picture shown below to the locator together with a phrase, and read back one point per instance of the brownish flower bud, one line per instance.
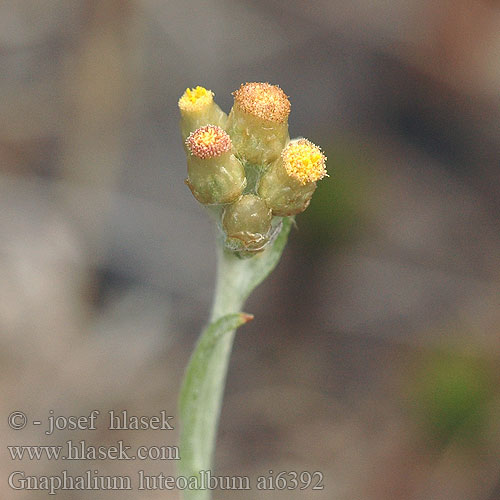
(247, 224)
(258, 122)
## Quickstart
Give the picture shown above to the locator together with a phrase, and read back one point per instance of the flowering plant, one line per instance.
(245, 169)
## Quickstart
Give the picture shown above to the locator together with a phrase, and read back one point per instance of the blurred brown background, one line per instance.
(375, 349)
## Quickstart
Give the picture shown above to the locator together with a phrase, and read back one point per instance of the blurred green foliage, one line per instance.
(339, 210)
(452, 395)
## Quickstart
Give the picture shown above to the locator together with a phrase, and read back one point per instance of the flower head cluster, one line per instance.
(246, 163)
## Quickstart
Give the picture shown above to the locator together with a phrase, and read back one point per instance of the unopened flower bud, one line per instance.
(258, 122)
(289, 183)
(247, 224)
(215, 175)
(197, 109)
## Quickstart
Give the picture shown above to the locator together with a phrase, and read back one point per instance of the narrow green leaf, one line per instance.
(200, 396)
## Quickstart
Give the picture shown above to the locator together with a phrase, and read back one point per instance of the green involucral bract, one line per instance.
(247, 224)
(216, 181)
(256, 140)
(284, 194)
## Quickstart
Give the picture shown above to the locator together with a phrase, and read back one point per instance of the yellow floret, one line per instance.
(208, 141)
(263, 100)
(195, 99)
(304, 161)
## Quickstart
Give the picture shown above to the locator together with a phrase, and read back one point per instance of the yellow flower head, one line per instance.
(263, 100)
(195, 99)
(304, 161)
(208, 141)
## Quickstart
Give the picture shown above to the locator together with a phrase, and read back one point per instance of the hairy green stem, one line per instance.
(203, 386)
